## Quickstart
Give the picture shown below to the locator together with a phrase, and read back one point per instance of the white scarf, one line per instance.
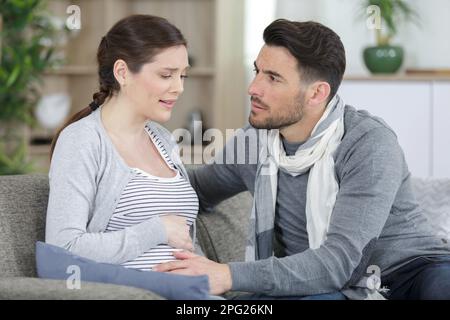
(322, 186)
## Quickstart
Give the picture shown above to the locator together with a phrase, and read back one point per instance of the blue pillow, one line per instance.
(52, 262)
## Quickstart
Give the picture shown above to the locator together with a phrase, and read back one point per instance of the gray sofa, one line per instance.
(23, 203)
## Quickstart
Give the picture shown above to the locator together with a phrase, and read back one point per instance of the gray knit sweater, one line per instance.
(87, 177)
(375, 221)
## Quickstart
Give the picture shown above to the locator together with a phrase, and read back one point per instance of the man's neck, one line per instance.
(300, 131)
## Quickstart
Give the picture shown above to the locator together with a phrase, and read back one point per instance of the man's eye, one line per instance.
(255, 70)
(272, 78)
(165, 76)
(184, 76)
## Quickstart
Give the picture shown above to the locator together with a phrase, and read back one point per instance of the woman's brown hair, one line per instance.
(135, 39)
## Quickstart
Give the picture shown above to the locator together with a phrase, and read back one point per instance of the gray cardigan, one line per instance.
(86, 178)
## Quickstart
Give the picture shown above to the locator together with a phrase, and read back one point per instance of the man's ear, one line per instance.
(121, 72)
(318, 93)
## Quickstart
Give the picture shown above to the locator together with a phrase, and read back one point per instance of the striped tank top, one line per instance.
(147, 196)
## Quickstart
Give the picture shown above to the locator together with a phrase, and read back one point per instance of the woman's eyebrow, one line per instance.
(175, 69)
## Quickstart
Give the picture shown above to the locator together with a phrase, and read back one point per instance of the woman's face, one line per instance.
(154, 90)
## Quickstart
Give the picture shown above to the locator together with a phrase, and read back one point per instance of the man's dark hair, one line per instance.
(319, 51)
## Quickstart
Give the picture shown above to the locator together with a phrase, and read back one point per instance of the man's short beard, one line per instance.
(281, 120)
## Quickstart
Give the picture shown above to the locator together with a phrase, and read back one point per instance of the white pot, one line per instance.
(52, 110)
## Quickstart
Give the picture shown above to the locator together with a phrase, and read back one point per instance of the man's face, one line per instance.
(277, 97)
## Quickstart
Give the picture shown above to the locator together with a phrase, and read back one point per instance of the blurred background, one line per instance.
(398, 66)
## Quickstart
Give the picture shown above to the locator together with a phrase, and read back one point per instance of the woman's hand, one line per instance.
(177, 231)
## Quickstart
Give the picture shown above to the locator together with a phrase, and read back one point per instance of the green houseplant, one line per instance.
(25, 53)
(385, 57)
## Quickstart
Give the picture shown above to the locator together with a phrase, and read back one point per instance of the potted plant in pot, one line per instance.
(385, 57)
(24, 56)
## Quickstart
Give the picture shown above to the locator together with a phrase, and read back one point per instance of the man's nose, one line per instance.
(254, 89)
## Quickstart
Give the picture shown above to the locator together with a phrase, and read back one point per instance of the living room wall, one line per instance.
(426, 46)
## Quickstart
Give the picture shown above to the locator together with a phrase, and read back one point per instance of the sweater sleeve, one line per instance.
(223, 178)
(73, 179)
(214, 183)
(371, 176)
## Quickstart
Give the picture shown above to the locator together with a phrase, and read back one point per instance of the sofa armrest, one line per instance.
(21, 288)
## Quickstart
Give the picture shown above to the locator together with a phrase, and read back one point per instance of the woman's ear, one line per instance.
(121, 72)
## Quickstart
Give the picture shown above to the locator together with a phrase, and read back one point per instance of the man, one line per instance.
(332, 192)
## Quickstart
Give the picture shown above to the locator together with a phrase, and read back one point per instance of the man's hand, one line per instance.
(191, 264)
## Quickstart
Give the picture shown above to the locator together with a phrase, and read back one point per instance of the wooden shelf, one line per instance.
(39, 155)
(73, 70)
(39, 149)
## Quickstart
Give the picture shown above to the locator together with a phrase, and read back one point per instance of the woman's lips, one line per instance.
(168, 103)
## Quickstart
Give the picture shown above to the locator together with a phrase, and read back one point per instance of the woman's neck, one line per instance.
(119, 119)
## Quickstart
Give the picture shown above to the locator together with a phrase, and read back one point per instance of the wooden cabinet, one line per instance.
(417, 109)
(214, 31)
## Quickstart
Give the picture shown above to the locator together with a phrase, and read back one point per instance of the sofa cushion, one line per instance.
(20, 288)
(57, 263)
(223, 232)
(23, 206)
(433, 196)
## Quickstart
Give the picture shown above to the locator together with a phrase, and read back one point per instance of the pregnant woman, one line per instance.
(118, 190)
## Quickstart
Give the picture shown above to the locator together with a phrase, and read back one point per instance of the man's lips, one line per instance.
(257, 107)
